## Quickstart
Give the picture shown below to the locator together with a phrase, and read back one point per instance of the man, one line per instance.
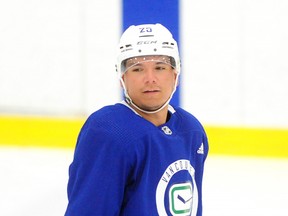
(140, 156)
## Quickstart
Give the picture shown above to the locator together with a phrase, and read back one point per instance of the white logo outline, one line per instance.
(164, 181)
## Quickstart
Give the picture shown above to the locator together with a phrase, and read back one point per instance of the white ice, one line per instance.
(33, 183)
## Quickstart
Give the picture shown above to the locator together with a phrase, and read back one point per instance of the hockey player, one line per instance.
(141, 156)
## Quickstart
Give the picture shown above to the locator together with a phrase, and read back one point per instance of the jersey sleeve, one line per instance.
(98, 174)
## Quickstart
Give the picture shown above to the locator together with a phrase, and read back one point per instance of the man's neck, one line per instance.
(157, 119)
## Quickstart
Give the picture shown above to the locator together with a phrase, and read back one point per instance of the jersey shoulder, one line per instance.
(188, 120)
(118, 121)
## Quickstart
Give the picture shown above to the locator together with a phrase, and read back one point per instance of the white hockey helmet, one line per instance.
(147, 40)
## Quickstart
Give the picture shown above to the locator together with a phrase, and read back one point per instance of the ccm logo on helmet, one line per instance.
(146, 42)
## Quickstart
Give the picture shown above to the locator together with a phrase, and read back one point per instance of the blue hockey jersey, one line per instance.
(125, 165)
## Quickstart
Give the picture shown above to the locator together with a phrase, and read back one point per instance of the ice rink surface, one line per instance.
(33, 183)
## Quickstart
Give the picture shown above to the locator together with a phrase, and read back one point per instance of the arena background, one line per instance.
(57, 66)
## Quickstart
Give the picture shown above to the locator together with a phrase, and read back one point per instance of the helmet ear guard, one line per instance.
(147, 40)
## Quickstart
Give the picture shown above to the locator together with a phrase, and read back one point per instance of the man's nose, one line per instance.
(150, 75)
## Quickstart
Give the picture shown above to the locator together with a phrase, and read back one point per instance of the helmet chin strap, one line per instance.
(130, 101)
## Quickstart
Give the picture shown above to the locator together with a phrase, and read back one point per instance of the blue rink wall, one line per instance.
(161, 11)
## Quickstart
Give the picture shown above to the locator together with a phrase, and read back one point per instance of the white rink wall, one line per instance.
(57, 58)
(235, 61)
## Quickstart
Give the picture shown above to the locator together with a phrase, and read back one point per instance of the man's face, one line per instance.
(149, 81)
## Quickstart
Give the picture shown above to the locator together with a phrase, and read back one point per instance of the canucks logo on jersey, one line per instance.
(183, 197)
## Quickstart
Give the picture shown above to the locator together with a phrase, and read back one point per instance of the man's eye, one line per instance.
(136, 69)
(160, 68)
